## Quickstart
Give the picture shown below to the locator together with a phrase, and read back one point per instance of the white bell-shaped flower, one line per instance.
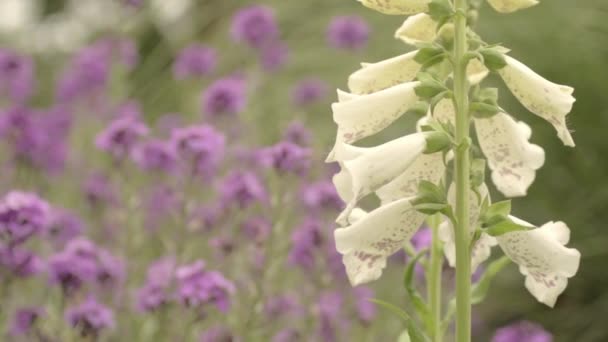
(359, 116)
(509, 6)
(511, 157)
(373, 237)
(373, 77)
(542, 258)
(397, 7)
(365, 170)
(546, 99)
(419, 28)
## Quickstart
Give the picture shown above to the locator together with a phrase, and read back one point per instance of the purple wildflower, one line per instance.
(195, 61)
(111, 270)
(279, 306)
(348, 32)
(155, 292)
(286, 157)
(329, 309)
(274, 56)
(305, 240)
(20, 262)
(321, 196)
(90, 317)
(200, 147)
(98, 190)
(422, 239)
(120, 137)
(242, 188)
(24, 320)
(287, 335)
(309, 91)
(255, 26)
(16, 76)
(22, 215)
(86, 74)
(155, 155)
(197, 287)
(366, 310)
(64, 226)
(217, 334)
(522, 331)
(223, 245)
(297, 133)
(74, 266)
(226, 96)
(256, 229)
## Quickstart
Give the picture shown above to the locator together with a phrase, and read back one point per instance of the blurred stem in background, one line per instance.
(434, 292)
(461, 171)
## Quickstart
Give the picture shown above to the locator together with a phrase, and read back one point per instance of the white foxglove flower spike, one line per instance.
(546, 99)
(397, 7)
(419, 28)
(359, 116)
(542, 258)
(510, 6)
(512, 159)
(373, 237)
(364, 170)
(373, 77)
(476, 71)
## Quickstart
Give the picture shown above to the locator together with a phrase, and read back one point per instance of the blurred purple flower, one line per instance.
(226, 96)
(168, 122)
(309, 91)
(287, 335)
(274, 56)
(223, 245)
(22, 215)
(366, 310)
(422, 239)
(74, 266)
(348, 32)
(195, 60)
(64, 226)
(90, 317)
(281, 306)
(98, 190)
(121, 136)
(217, 334)
(159, 204)
(255, 26)
(321, 196)
(155, 155)
(256, 229)
(20, 262)
(25, 319)
(200, 147)
(155, 292)
(329, 309)
(197, 287)
(286, 157)
(297, 133)
(16, 76)
(306, 239)
(522, 331)
(242, 188)
(111, 270)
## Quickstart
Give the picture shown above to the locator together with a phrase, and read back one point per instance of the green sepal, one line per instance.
(493, 58)
(430, 55)
(437, 141)
(478, 172)
(440, 10)
(429, 86)
(505, 226)
(482, 110)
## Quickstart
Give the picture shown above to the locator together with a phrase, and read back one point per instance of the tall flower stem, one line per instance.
(434, 276)
(461, 171)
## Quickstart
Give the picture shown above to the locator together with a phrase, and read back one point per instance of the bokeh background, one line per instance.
(565, 41)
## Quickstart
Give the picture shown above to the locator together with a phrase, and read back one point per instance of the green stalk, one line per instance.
(461, 171)
(434, 292)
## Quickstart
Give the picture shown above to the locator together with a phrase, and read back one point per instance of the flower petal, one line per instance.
(476, 71)
(387, 73)
(367, 243)
(398, 7)
(509, 6)
(374, 167)
(512, 159)
(359, 116)
(542, 258)
(427, 167)
(419, 28)
(546, 99)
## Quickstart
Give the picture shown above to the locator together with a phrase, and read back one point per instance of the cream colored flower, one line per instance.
(399, 7)
(373, 237)
(509, 6)
(419, 28)
(373, 77)
(546, 99)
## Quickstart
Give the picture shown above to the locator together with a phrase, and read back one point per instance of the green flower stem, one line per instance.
(461, 171)
(434, 276)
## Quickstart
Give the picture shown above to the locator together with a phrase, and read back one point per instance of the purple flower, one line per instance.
(280, 306)
(155, 155)
(321, 196)
(297, 133)
(20, 262)
(274, 56)
(111, 270)
(242, 188)
(257, 229)
(328, 308)
(22, 215)
(522, 331)
(155, 292)
(348, 32)
(286, 157)
(195, 61)
(226, 96)
(305, 241)
(366, 310)
(98, 190)
(16, 76)
(159, 205)
(86, 74)
(64, 226)
(120, 137)
(255, 26)
(309, 91)
(422, 239)
(74, 266)
(197, 287)
(287, 335)
(200, 147)
(90, 317)
(24, 320)
(223, 245)
(217, 334)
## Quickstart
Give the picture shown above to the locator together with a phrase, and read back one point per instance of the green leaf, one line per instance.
(408, 281)
(493, 58)
(504, 227)
(392, 308)
(480, 289)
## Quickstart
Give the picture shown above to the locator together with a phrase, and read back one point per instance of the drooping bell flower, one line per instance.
(397, 7)
(509, 6)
